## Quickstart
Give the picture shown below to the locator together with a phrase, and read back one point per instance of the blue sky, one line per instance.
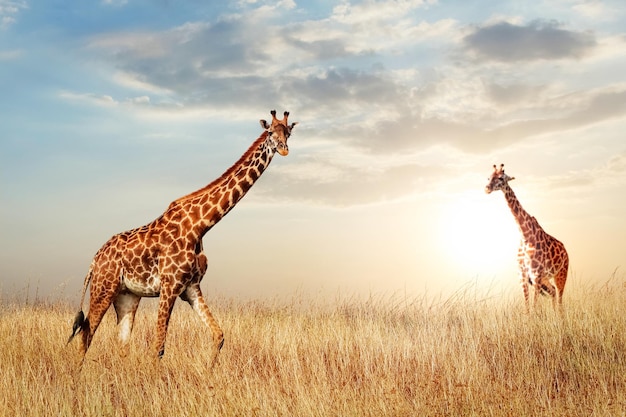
(112, 109)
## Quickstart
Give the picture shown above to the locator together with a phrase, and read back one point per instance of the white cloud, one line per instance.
(134, 81)
(93, 99)
(9, 9)
(386, 27)
(139, 100)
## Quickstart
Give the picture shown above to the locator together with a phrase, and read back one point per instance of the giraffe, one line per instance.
(165, 258)
(542, 259)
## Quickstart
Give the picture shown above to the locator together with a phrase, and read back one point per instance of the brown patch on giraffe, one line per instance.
(225, 202)
(236, 194)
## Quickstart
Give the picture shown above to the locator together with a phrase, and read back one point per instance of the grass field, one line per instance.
(387, 357)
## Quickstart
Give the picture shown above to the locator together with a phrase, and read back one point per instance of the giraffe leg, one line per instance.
(559, 281)
(193, 295)
(561, 277)
(544, 286)
(125, 307)
(526, 297)
(100, 300)
(560, 284)
(553, 293)
(537, 289)
(523, 275)
(166, 304)
(525, 281)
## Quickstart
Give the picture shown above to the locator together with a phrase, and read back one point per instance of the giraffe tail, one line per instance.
(80, 322)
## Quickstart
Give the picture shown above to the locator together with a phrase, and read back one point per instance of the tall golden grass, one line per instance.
(385, 357)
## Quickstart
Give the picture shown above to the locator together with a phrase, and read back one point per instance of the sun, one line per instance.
(478, 233)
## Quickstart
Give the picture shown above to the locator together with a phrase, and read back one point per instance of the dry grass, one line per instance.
(353, 358)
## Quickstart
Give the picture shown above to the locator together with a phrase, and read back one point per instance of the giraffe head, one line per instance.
(279, 131)
(497, 180)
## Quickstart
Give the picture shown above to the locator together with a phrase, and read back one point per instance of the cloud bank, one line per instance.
(477, 89)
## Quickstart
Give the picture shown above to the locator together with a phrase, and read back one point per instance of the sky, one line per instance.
(110, 110)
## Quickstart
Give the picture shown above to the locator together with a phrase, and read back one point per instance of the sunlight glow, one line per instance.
(478, 234)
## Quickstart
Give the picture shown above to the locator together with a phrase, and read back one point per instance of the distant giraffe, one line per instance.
(542, 259)
(165, 258)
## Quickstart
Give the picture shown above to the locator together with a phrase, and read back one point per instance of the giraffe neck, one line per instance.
(205, 207)
(527, 224)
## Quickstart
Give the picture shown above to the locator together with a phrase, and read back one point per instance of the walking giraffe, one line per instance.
(165, 258)
(542, 259)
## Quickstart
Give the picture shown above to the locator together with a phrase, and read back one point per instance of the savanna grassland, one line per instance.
(458, 357)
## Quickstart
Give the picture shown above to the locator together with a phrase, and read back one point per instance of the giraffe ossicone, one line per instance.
(165, 258)
(542, 259)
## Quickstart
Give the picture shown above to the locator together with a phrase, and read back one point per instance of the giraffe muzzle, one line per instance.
(282, 149)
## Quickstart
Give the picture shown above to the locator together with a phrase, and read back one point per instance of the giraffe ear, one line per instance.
(293, 124)
(264, 124)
